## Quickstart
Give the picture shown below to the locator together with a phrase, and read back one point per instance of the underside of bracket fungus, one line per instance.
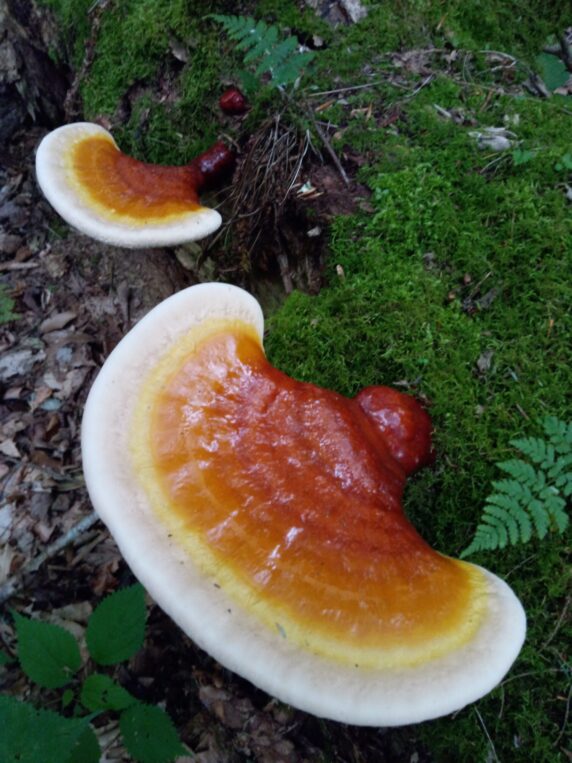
(119, 200)
(264, 515)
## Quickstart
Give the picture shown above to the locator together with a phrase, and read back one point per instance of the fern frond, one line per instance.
(514, 504)
(509, 527)
(559, 433)
(560, 465)
(486, 539)
(514, 490)
(556, 507)
(539, 516)
(520, 470)
(536, 497)
(262, 47)
(277, 55)
(538, 450)
(291, 70)
(252, 36)
(237, 27)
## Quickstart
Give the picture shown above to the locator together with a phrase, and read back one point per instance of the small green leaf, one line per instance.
(67, 697)
(149, 734)
(552, 70)
(250, 84)
(30, 735)
(565, 163)
(522, 156)
(87, 749)
(48, 654)
(100, 692)
(5, 658)
(116, 628)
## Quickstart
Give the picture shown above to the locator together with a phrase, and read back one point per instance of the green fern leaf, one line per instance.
(508, 527)
(535, 499)
(520, 470)
(539, 517)
(499, 528)
(262, 45)
(254, 36)
(515, 490)
(289, 73)
(262, 48)
(556, 507)
(485, 540)
(559, 433)
(533, 447)
(510, 508)
(277, 56)
(235, 26)
(561, 464)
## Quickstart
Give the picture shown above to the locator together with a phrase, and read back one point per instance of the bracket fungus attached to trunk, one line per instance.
(119, 200)
(264, 515)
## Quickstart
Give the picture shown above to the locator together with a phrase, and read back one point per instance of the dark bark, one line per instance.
(32, 85)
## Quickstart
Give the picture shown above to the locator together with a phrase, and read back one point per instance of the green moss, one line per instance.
(391, 318)
(300, 20)
(171, 106)
(74, 25)
(132, 43)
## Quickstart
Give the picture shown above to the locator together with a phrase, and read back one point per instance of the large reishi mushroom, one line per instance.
(119, 200)
(264, 516)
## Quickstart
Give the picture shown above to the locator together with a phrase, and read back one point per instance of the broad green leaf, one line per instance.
(100, 692)
(29, 735)
(149, 734)
(48, 654)
(87, 749)
(552, 70)
(116, 628)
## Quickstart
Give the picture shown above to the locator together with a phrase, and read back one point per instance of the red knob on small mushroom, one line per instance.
(232, 101)
(117, 199)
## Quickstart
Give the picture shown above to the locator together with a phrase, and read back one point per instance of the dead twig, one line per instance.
(565, 719)
(488, 736)
(16, 582)
(348, 89)
(561, 619)
(328, 146)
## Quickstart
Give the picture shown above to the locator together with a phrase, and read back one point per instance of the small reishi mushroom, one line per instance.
(232, 101)
(119, 200)
(264, 515)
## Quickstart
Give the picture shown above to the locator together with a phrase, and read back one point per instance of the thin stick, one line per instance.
(328, 146)
(347, 89)
(565, 721)
(558, 624)
(494, 752)
(530, 673)
(16, 582)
